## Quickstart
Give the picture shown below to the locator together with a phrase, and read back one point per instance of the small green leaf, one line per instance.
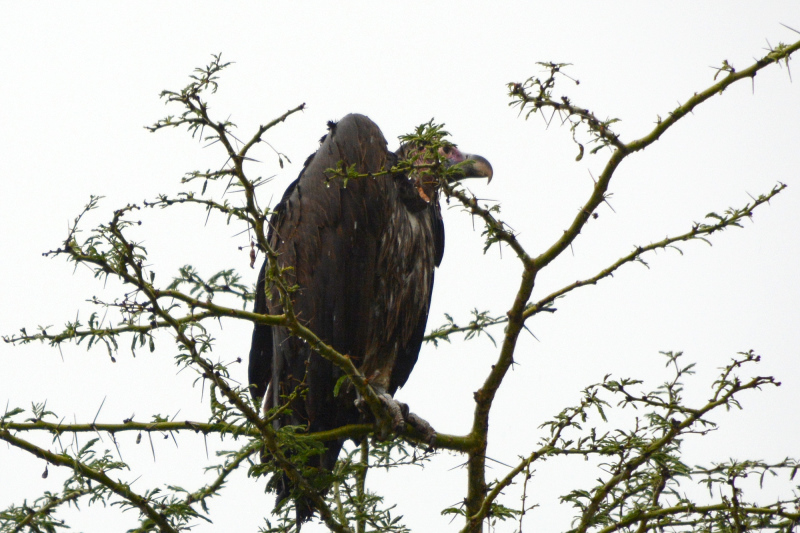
(338, 385)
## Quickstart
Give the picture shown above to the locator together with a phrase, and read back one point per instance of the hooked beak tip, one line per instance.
(478, 167)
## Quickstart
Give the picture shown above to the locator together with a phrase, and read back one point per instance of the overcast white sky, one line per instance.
(80, 79)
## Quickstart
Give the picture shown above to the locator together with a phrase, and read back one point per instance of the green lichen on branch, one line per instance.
(642, 466)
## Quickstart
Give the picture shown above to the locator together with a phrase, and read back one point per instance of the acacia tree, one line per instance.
(642, 475)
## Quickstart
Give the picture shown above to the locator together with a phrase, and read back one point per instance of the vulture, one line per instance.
(362, 255)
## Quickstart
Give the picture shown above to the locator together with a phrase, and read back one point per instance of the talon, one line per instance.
(400, 416)
(395, 411)
(421, 425)
(405, 410)
(361, 405)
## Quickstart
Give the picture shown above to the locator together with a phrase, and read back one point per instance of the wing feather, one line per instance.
(362, 258)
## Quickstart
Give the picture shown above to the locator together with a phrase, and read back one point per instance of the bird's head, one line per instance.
(469, 165)
(428, 165)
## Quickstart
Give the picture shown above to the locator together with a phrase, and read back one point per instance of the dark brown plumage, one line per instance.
(363, 257)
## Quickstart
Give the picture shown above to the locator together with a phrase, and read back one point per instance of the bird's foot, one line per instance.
(400, 416)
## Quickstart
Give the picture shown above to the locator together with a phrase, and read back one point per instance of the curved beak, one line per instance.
(473, 166)
(476, 166)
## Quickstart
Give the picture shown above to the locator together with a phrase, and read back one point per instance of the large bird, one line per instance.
(362, 255)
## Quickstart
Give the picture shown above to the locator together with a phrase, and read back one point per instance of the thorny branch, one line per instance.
(540, 99)
(732, 217)
(144, 504)
(147, 308)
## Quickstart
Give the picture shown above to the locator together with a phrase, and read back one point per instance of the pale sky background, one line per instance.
(81, 79)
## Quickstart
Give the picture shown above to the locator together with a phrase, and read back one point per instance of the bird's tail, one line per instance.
(303, 506)
(320, 468)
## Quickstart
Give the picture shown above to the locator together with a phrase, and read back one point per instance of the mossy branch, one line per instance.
(351, 431)
(123, 490)
(732, 217)
(109, 252)
(40, 516)
(484, 397)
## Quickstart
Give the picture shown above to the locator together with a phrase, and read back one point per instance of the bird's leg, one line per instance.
(400, 415)
(397, 412)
